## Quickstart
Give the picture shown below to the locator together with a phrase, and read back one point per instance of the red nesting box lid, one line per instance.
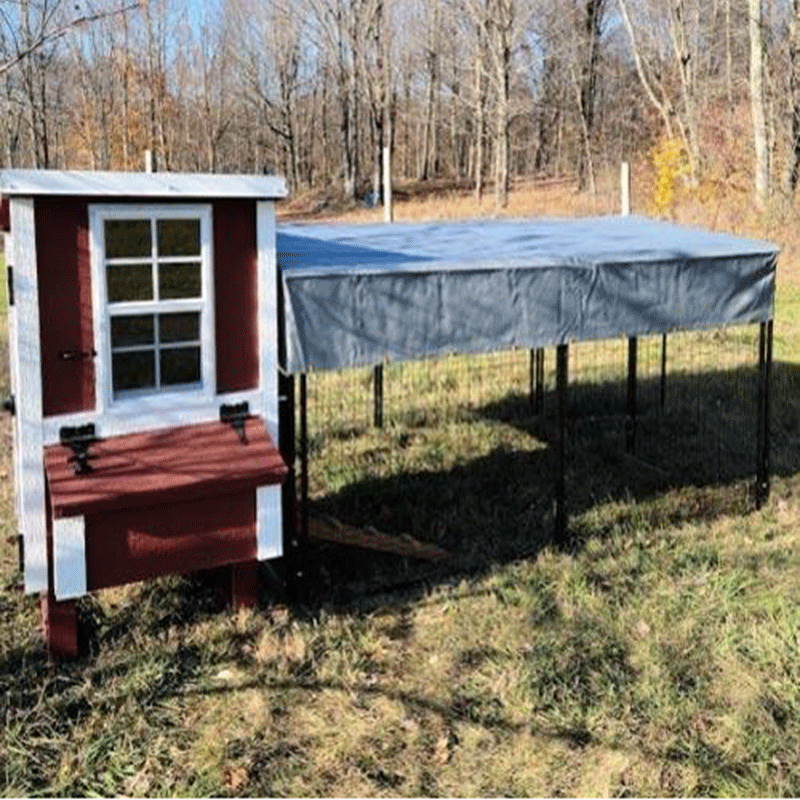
(164, 466)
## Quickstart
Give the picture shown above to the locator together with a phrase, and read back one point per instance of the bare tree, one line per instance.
(664, 43)
(761, 166)
(793, 173)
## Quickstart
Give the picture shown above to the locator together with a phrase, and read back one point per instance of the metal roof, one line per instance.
(29, 182)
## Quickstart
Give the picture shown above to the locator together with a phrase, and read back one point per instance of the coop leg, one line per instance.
(630, 428)
(561, 388)
(244, 585)
(60, 619)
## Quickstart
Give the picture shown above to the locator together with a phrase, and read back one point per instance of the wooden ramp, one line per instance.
(328, 529)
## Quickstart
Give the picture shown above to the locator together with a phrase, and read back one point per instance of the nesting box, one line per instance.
(144, 367)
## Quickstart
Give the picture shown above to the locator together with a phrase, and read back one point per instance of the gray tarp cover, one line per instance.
(359, 294)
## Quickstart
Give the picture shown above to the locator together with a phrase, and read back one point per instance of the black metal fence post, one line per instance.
(762, 429)
(532, 382)
(630, 423)
(292, 554)
(540, 380)
(562, 362)
(304, 456)
(537, 380)
(377, 381)
(286, 444)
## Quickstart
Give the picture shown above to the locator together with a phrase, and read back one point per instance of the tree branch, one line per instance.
(45, 37)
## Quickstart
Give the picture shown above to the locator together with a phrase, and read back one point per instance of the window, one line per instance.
(154, 267)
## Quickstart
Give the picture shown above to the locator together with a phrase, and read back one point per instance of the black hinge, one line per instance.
(79, 438)
(10, 404)
(21, 552)
(10, 279)
(235, 414)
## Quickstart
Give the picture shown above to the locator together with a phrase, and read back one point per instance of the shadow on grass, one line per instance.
(695, 460)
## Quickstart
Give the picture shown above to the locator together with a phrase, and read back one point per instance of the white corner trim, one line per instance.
(267, 270)
(269, 505)
(13, 356)
(69, 557)
(269, 530)
(33, 520)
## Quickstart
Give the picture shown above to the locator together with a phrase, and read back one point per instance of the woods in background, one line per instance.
(478, 92)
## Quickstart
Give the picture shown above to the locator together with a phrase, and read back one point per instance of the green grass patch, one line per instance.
(655, 654)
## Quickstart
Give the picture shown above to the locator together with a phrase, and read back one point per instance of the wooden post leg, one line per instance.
(60, 619)
(244, 585)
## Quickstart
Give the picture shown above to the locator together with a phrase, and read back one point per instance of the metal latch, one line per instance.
(79, 438)
(236, 414)
(77, 355)
(10, 279)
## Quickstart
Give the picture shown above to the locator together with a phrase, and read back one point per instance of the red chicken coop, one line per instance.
(144, 375)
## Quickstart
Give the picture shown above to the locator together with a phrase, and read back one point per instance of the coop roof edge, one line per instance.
(34, 182)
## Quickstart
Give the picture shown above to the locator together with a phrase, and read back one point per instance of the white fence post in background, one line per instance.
(388, 212)
(625, 188)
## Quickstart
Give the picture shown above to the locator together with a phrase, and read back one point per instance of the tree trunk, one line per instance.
(590, 31)
(501, 147)
(761, 166)
(793, 173)
(502, 63)
(480, 102)
(683, 59)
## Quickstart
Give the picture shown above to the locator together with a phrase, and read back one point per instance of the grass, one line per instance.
(657, 654)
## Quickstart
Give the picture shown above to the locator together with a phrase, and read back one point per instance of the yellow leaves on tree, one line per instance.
(671, 163)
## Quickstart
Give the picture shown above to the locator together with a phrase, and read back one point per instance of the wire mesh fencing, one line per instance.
(460, 450)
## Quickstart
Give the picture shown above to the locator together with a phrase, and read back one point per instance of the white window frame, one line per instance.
(146, 401)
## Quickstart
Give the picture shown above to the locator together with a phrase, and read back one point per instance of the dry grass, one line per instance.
(656, 655)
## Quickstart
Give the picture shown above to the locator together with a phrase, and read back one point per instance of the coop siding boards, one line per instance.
(65, 304)
(236, 295)
(356, 295)
(69, 558)
(29, 395)
(134, 544)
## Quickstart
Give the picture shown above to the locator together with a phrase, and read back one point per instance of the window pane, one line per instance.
(178, 237)
(128, 238)
(180, 365)
(133, 370)
(131, 330)
(184, 327)
(179, 280)
(129, 282)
